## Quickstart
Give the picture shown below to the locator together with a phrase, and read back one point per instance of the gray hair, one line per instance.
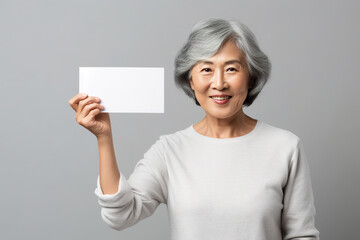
(205, 40)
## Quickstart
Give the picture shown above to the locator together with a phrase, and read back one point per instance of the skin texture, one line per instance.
(219, 77)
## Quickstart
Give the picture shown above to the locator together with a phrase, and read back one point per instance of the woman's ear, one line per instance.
(191, 84)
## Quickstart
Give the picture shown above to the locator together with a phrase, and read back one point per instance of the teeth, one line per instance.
(221, 98)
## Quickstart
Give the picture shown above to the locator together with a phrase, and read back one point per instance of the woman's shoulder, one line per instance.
(177, 139)
(280, 134)
(176, 135)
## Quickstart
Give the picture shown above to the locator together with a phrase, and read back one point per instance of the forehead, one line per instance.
(229, 51)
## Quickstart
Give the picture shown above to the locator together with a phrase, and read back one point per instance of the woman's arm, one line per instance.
(109, 172)
(138, 196)
(298, 214)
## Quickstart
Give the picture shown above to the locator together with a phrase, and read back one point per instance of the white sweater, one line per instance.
(253, 187)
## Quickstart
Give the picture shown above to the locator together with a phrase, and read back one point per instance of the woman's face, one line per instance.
(225, 73)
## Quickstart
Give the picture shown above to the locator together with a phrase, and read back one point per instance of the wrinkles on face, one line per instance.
(224, 73)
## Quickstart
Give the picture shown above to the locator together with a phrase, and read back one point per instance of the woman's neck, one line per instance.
(225, 128)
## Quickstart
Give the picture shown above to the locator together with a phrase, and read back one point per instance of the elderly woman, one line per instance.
(229, 176)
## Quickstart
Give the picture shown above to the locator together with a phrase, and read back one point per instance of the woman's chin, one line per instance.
(220, 114)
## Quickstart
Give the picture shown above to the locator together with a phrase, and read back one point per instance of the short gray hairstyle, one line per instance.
(206, 39)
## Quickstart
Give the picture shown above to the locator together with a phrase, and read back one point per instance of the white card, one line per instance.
(125, 89)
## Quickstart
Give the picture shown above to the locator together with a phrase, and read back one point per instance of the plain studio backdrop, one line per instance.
(49, 163)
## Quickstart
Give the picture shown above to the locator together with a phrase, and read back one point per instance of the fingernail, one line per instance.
(84, 95)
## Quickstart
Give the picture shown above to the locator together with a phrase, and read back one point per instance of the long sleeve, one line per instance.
(298, 214)
(139, 196)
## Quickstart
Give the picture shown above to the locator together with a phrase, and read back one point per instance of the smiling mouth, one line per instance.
(221, 98)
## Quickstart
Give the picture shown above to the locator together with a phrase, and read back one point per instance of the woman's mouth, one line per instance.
(221, 100)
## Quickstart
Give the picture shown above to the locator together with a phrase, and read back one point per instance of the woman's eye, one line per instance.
(232, 69)
(206, 69)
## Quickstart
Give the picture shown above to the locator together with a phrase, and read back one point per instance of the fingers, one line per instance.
(75, 100)
(84, 105)
(84, 102)
(89, 107)
(92, 114)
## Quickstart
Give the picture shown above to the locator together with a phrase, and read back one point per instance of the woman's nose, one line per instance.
(219, 82)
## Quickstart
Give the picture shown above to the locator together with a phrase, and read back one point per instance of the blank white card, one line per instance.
(125, 89)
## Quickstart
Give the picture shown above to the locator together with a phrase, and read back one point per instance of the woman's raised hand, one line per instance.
(88, 114)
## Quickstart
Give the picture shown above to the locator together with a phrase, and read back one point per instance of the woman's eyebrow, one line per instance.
(227, 62)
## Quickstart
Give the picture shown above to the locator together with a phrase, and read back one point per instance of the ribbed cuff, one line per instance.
(118, 199)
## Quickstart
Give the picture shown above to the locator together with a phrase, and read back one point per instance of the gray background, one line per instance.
(50, 163)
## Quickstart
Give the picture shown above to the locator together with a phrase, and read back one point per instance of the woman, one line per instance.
(229, 176)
